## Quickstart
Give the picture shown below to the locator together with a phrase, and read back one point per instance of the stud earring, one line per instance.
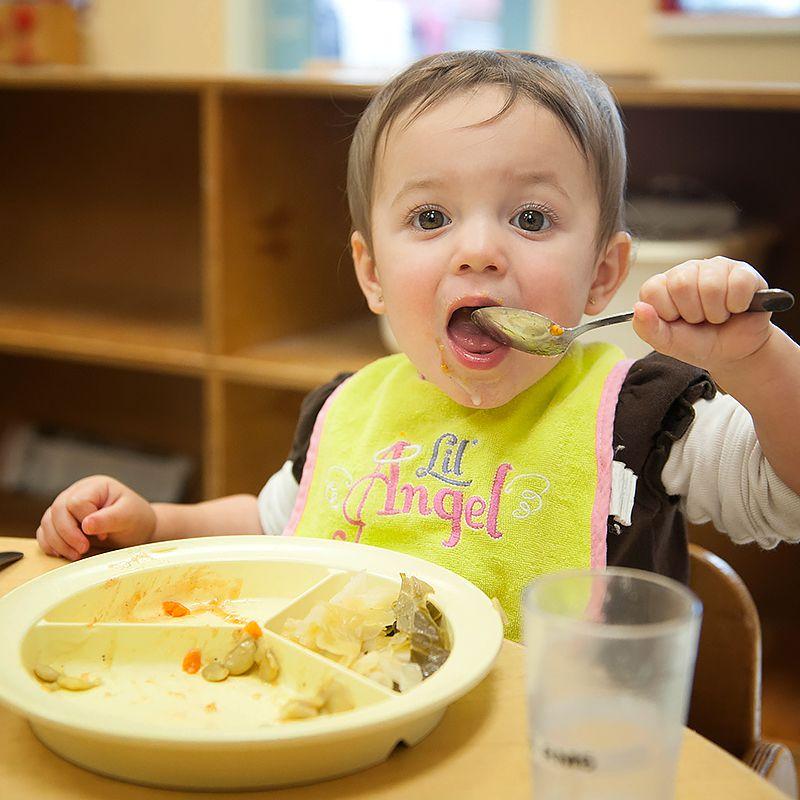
(592, 301)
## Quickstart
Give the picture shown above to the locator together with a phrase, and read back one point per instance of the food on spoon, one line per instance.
(556, 330)
(393, 639)
(174, 609)
(253, 629)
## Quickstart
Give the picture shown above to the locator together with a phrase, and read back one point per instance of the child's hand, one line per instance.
(692, 313)
(97, 506)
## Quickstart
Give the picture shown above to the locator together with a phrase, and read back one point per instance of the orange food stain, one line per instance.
(174, 609)
(443, 365)
(211, 707)
(253, 629)
(191, 661)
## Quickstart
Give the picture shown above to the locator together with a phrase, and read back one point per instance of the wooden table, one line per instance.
(479, 750)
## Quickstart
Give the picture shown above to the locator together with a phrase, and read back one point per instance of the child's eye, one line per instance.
(429, 219)
(532, 220)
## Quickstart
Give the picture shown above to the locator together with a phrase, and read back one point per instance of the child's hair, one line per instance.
(578, 98)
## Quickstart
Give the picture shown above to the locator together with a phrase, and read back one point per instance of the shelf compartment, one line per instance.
(153, 344)
(284, 222)
(306, 360)
(20, 513)
(148, 412)
(100, 203)
(259, 425)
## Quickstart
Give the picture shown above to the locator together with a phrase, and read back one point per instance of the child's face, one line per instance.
(469, 215)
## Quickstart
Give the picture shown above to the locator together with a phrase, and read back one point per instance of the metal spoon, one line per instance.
(535, 333)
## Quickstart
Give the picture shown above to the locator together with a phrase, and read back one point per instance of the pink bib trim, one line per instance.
(311, 462)
(604, 455)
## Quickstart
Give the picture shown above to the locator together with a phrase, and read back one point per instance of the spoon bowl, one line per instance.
(539, 335)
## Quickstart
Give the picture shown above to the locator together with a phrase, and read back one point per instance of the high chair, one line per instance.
(726, 696)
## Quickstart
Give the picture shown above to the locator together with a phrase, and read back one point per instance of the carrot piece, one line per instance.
(253, 629)
(174, 609)
(191, 661)
(556, 330)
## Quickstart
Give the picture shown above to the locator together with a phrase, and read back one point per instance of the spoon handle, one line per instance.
(603, 321)
(763, 300)
(771, 300)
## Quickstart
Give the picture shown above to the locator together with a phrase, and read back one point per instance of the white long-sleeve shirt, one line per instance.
(717, 468)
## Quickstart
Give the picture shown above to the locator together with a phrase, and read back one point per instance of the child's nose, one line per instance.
(477, 267)
(479, 253)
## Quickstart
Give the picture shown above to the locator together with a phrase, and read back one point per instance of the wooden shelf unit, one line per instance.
(197, 226)
(176, 273)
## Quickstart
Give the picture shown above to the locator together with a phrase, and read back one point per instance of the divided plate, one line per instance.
(150, 722)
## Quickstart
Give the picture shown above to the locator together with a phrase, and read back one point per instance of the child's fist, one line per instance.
(97, 506)
(693, 313)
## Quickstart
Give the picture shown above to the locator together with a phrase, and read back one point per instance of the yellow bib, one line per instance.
(497, 495)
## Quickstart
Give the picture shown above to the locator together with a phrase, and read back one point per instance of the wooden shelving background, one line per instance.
(176, 273)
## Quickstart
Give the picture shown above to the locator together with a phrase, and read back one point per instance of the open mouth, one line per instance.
(470, 343)
(467, 335)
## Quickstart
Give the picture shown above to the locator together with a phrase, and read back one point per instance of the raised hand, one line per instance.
(693, 313)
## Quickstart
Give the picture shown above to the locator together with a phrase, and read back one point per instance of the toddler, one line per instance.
(487, 178)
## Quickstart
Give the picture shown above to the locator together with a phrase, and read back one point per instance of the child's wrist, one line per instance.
(164, 528)
(755, 372)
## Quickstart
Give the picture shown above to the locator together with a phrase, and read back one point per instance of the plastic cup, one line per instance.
(610, 660)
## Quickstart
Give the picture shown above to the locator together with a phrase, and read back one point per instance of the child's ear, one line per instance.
(609, 272)
(366, 273)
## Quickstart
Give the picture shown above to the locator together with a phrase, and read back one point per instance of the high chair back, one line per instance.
(726, 696)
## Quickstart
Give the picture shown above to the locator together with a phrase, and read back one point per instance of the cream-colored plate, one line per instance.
(152, 723)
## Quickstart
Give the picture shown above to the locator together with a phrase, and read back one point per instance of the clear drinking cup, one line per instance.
(610, 660)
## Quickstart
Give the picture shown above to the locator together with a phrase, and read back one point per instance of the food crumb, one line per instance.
(211, 707)
(174, 609)
(556, 330)
(191, 661)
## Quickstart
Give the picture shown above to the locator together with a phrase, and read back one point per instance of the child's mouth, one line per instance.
(470, 344)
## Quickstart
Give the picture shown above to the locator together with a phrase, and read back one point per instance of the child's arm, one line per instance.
(687, 313)
(102, 507)
(237, 513)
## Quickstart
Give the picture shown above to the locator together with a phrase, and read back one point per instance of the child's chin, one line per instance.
(470, 392)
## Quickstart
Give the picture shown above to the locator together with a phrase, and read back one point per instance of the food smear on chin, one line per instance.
(443, 365)
(474, 397)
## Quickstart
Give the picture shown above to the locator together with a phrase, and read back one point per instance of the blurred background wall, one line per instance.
(627, 37)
